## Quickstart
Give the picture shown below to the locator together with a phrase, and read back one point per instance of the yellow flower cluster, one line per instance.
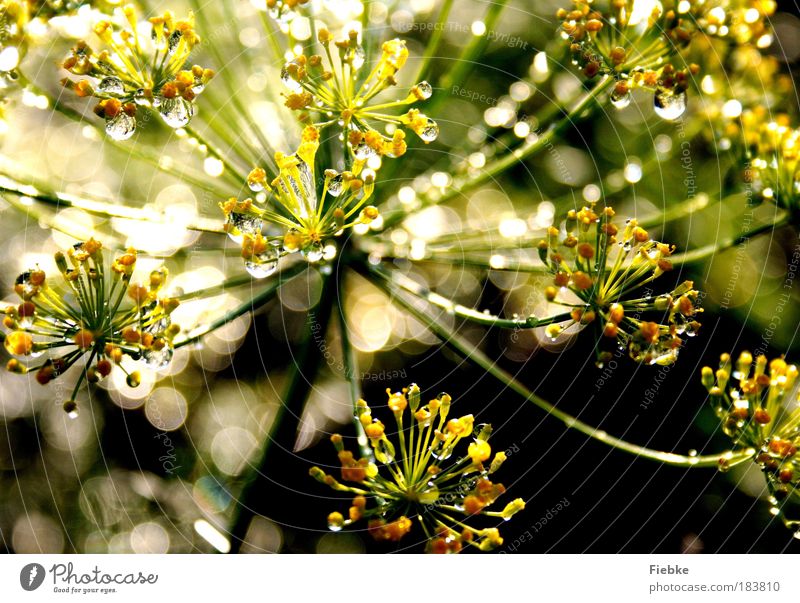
(418, 479)
(334, 89)
(306, 220)
(638, 42)
(597, 270)
(95, 311)
(773, 148)
(135, 70)
(757, 403)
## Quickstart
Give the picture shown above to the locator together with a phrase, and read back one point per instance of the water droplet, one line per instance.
(241, 224)
(313, 252)
(620, 100)
(425, 90)
(176, 112)
(121, 127)
(693, 452)
(174, 39)
(112, 86)
(287, 79)
(335, 185)
(363, 151)
(429, 496)
(357, 57)
(263, 265)
(430, 132)
(669, 105)
(71, 408)
(198, 86)
(140, 99)
(158, 359)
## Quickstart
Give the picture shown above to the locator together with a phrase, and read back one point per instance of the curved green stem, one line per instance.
(708, 251)
(105, 209)
(350, 369)
(470, 314)
(283, 430)
(676, 212)
(433, 45)
(253, 303)
(464, 184)
(469, 352)
(230, 170)
(466, 62)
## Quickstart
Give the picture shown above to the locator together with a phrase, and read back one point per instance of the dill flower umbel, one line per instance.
(419, 480)
(774, 151)
(94, 311)
(137, 70)
(597, 270)
(306, 220)
(337, 90)
(633, 41)
(757, 403)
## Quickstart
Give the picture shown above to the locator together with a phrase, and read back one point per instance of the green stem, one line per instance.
(224, 286)
(287, 416)
(432, 47)
(678, 211)
(467, 61)
(464, 184)
(464, 312)
(469, 352)
(253, 303)
(103, 209)
(350, 367)
(231, 172)
(708, 251)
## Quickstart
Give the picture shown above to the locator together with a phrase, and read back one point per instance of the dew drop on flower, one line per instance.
(262, 265)
(121, 127)
(429, 496)
(24, 280)
(620, 100)
(174, 40)
(112, 86)
(335, 186)
(158, 359)
(363, 151)
(242, 224)
(176, 112)
(71, 408)
(430, 132)
(358, 57)
(425, 90)
(313, 252)
(669, 105)
(287, 79)
(140, 98)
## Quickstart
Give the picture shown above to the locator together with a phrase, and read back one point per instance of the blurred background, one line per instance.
(157, 468)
